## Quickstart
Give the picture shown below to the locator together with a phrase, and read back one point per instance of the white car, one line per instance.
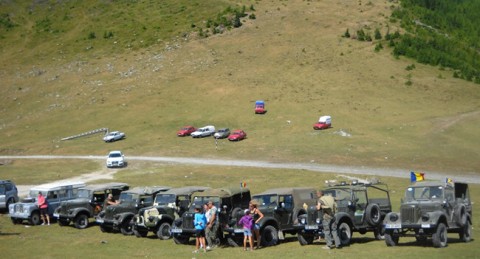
(116, 159)
(203, 132)
(113, 136)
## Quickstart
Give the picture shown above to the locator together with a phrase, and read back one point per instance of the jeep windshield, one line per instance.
(424, 193)
(165, 199)
(201, 200)
(83, 193)
(266, 200)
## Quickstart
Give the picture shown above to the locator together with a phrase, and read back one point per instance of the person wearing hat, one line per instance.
(247, 222)
(200, 222)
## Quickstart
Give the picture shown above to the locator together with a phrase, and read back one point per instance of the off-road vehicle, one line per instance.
(8, 194)
(431, 209)
(119, 217)
(89, 202)
(167, 207)
(229, 202)
(280, 208)
(54, 194)
(361, 207)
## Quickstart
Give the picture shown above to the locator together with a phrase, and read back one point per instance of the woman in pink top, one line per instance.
(43, 205)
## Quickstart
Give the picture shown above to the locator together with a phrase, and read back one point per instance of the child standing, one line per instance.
(200, 222)
(247, 221)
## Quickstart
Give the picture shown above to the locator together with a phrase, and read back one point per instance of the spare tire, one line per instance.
(373, 215)
(461, 215)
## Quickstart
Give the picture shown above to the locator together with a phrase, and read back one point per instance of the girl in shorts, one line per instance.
(247, 221)
(200, 222)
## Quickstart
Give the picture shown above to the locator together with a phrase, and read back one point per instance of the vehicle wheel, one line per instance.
(34, 218)
(140, 232)
(127, 227)
(235, 212)
(10, 201)
(105, 229)
(344, 233)
(379, 232)
(390, 239)
(372, 214)
(466, 232)
(16, 221)
(269, 236)
(461, 215)
(305, 239)
(181, 240)
(63, 222)
(81, 221)
(439, 238)
(163, 231)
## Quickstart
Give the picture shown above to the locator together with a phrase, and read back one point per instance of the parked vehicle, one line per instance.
(167, 207)
(222, 133)
(281, 209)
(260, 107)
(203, 132)
(88, 204)
(120, 216)
(54, 193)
(116, 159)
(324, 122)
(186, 131)
(113, 136)
(8, 194)
(237, 135)
(361, 207)
(229, 201)
(431, 210)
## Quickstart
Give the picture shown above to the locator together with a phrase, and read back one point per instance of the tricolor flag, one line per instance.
(416, 177)
(243, 184)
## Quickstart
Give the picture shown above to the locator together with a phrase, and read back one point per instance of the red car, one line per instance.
(324, 122)
(237, 135)
(186, 131)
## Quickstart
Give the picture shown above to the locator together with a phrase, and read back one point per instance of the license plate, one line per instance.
(99, 221)
(238, 230)
(56, 215)
(393, 226)
(176, 230)
(425, 225)
(311, 227)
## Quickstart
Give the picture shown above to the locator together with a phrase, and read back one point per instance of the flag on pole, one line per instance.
(449, 181)
(243, 184)
(416, 177)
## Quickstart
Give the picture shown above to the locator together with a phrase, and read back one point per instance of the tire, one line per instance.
(269, 236)
(305, 239)
(127, 227)
(63, 222)
(461, 215)
(81, 221)
(466, 232)
(181, 240)
(163, 231)
(390, 239)
(373, 215)
(235, 212)
(34, 219)
(344, 233)
(140, 232)
(439, 238)
(10, 201)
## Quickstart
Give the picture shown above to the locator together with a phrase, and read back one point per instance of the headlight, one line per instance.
(303, 221)
(393, 217)
(318, 221)
(425, 217)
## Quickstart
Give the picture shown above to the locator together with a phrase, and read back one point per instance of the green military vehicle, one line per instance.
(361, 207)
(431, 210)
(281, 208)
(120, 216)
(167, 207)
(89, 202)
(229, 202)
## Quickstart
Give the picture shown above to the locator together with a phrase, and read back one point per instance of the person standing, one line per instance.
(200, 221)
(247, 221)
(212, 225)
(257, 216)
(328, 206)
(43, 206)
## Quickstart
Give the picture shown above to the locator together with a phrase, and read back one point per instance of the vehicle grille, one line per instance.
(410, 215)
(188, 221)
(18, 208)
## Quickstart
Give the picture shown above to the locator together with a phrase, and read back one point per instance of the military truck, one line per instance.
(89, 202)
(431, 210)
(281, 208)
(167, 207)
(119, 217)
(229, 202)
(54, 194)
(361, 207)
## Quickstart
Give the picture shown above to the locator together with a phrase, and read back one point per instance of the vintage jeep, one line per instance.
(431, 209)
(120, 216)
(229, 202)
(167, 207)
(89, 202)
(54, 194)
(361, 207)
(281, 208)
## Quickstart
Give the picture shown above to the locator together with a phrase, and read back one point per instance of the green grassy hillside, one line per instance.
(157, 74)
